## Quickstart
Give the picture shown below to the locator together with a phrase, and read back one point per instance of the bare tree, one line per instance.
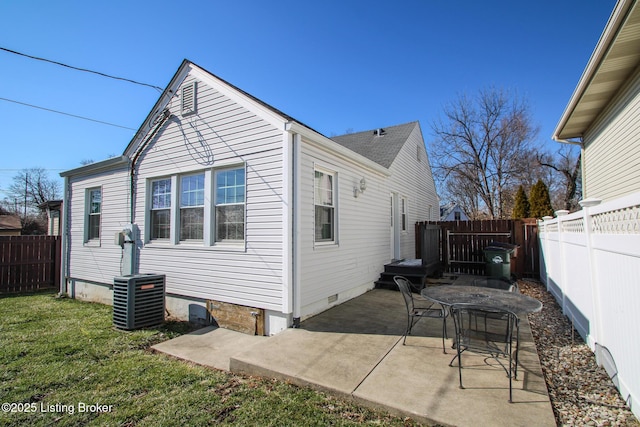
(30, 188)
(482, 147)
(567, 163)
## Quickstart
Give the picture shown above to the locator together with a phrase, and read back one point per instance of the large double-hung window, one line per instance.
(325, 208)
(230, 198)
(94, 211)
(206, 207)
(192, 207)
(160, 209)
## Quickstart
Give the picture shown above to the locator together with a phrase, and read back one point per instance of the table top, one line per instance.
(496, 298)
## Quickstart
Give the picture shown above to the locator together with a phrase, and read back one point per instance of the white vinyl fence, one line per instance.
(590, 262)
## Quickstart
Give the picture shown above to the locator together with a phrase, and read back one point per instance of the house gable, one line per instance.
(187, 76)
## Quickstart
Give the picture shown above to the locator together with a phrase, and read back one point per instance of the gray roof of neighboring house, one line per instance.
(382, 148)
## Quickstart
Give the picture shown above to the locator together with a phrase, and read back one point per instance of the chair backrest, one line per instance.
(484, 329)
(405, 289)
(497, 283)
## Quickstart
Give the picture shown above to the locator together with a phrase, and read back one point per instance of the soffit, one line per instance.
(603, 76)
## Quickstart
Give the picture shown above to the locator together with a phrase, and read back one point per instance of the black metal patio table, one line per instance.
(448, 295)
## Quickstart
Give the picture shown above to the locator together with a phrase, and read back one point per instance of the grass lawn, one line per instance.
(60, 356)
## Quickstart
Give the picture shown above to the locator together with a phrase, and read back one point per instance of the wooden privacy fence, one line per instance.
(462, 243)
(29, 263)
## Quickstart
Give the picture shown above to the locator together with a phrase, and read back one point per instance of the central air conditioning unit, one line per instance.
(138, 301)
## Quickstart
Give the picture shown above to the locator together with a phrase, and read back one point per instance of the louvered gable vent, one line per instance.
(189, 99)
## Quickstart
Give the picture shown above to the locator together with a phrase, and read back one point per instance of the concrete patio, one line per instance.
(355, 350)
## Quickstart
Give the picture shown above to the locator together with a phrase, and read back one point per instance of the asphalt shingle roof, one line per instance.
(381, 149)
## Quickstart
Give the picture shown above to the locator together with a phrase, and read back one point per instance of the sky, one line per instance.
(337, 66)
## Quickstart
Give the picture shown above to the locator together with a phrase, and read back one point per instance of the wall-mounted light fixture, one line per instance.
(361, 188)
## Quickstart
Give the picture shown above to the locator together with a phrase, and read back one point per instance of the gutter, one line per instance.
(568, 141)
(96, 167)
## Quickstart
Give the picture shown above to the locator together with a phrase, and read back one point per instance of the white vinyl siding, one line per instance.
(362, 228)
(223, 135)
(413, 181)
(98, 261)
(612, 153)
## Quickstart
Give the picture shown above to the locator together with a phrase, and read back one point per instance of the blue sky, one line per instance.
(335, 65)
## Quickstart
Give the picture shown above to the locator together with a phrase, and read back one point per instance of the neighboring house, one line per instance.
(52, 208)
(603, 113)
(236, 202)
(10, 225)
(452, 212)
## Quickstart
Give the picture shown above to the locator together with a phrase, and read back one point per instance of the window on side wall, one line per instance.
(404, 216)
(192, 207)
(325, 207)
(160, 209)
(229, 204)
(94, 211)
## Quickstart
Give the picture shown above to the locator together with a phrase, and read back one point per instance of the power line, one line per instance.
(66, 114)
(81, 69)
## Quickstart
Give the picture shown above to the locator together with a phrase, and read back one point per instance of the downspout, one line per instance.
(159, 121)
(580, 144)
(295, 241)
(64, 269)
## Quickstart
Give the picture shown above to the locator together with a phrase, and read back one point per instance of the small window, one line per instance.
(93, 214)
(192, 207)
(403, 207)
(324, 200)
(229, 202)
(188, 99)
(160, 209)
(456, 216)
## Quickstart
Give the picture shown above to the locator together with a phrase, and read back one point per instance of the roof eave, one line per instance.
(332, 146)
(96, 167)
(604, 43)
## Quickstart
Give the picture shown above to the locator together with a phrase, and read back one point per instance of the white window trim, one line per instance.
(149, 203)
(208, 242)
(207, 200)
(404, 214)
(87, 213)
(335, 241)
(212, 205)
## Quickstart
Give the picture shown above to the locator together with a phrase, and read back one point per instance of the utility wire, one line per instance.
(81, 69)
(66, 114)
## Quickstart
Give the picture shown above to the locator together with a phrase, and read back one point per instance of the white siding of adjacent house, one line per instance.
(355, 262)
(97, 261)
(221, 133)
(612, 152)
(411, 178)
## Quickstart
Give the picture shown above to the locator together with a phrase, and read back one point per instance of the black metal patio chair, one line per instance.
(489, 331)
(415, 313)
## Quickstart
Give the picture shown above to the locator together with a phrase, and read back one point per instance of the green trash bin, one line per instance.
(498, 261)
